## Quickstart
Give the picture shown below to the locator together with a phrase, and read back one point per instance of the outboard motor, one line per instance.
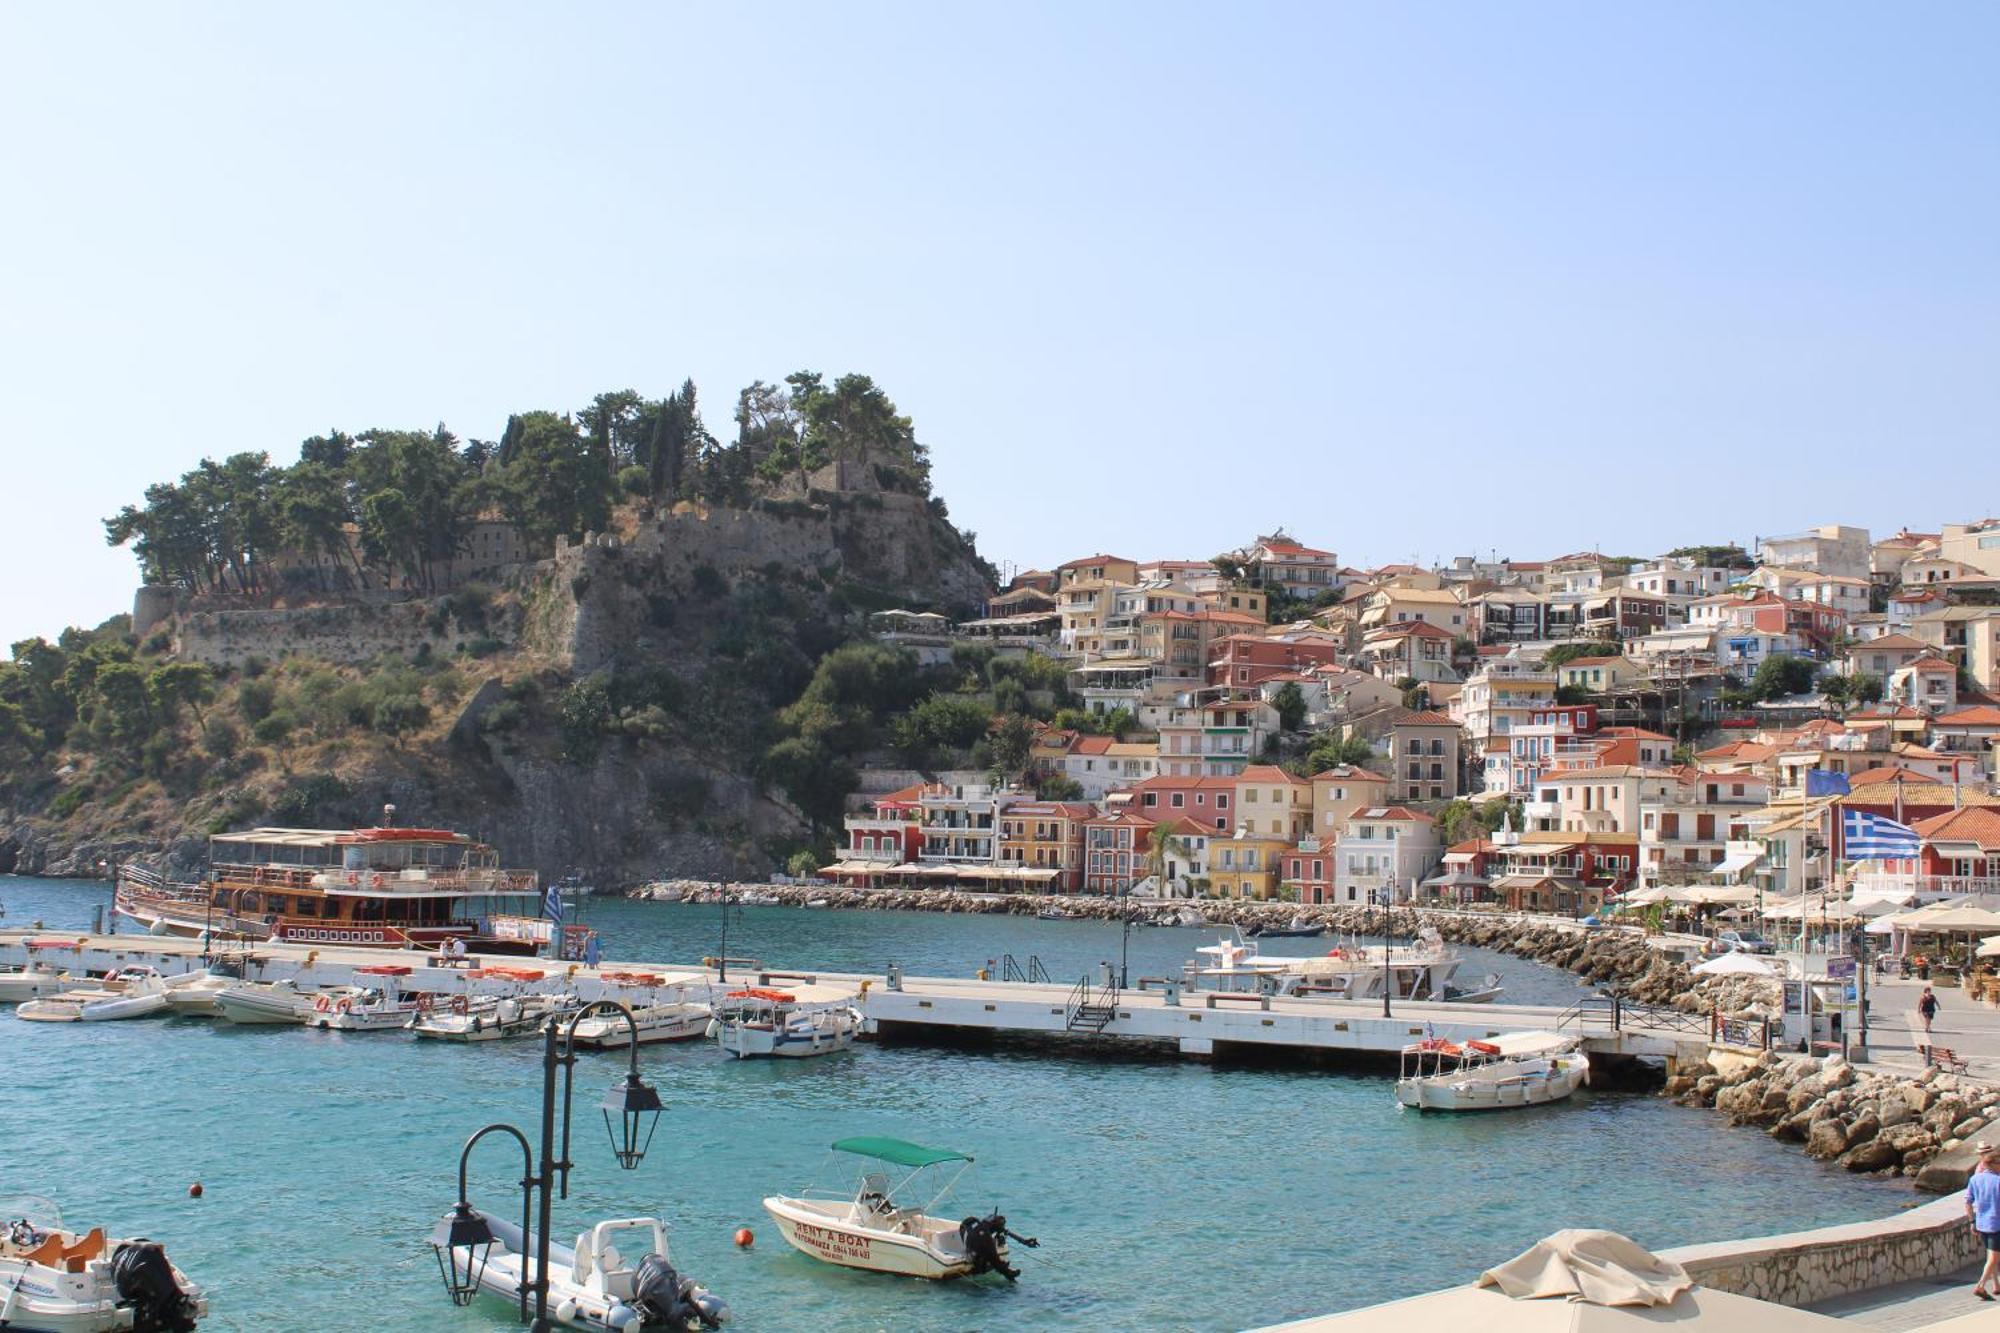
(145, 1281)
(982, 1237)
(669, 1301)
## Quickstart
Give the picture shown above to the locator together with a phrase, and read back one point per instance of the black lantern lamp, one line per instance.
(631, 1114)
(463, 1239)
(463, 1242)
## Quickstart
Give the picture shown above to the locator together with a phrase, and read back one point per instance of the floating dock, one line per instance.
(1158, 1016)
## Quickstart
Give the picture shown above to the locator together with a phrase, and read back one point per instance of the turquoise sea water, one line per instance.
(1167, 1194)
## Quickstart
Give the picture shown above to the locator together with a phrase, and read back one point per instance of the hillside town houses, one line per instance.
(1542, 735)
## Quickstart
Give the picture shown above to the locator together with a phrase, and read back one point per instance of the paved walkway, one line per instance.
(1971, 1029)
(1911, 1305)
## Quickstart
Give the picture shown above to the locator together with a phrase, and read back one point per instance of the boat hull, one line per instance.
(751, 1041)
(72, 1008)
(20, 987)
(601, 1033)
(1441, 1093)
(833, 1240)
(248, 1006)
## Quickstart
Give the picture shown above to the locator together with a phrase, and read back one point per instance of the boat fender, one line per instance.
(565, 1310)
(622, 1318)
(478, 1025)
(145, 1281)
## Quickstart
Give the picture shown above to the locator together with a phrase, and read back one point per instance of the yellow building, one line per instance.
(1338, 792)
(1046, 839)
(1246, 866)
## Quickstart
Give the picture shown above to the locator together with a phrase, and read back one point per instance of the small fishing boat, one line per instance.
(135, 992)
(489, 1018)
(250, 1002)
(32, 982)
(1514, 1069)
(375, 1003)
(57, 1281)
(818, 902)
(758, 1023)
(674, 1021)
(1053, 915)
(592, 1284)
(1299, 929)
(885, 1224)
(758, 898)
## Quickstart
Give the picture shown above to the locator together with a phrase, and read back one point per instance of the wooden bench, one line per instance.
(1945, 1058)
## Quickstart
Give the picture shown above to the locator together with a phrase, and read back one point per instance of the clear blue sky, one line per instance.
(1409, 280)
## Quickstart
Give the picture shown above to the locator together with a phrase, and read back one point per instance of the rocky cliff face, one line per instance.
(694, 623)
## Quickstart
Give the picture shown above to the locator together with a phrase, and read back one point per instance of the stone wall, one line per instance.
(351, 633)
(1806, 1266)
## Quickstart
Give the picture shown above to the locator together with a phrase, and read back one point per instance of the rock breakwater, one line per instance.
(1873, 1121)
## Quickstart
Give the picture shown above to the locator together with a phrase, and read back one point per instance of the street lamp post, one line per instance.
(1388, 922)
(462, 1239)
(1125, 938)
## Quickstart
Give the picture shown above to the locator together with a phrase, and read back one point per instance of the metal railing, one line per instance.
(1615, 1013)
(1013, 971)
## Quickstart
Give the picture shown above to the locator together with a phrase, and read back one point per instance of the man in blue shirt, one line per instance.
(1982, 1206)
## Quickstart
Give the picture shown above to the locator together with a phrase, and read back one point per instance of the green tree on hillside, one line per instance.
(551, 481)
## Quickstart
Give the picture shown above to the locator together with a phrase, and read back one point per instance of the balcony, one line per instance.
(1878, 883)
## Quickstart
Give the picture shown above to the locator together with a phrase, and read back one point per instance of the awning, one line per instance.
(1738, 860)
(1460, 858)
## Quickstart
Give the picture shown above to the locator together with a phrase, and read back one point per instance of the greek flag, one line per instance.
(1868, 837)
(552, 905)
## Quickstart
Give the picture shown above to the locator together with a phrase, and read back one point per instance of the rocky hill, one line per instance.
(604, 711)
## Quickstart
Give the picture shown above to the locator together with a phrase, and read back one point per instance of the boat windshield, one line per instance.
(37, 1211)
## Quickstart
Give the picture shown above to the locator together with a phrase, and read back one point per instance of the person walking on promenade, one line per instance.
(1982, 1209)
(1927, 1007)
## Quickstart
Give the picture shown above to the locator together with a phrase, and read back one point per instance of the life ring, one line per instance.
(353, 878)
(425, 1004)
(458, 1004)
(322, 1004)
(345, 1006)
(375, 880)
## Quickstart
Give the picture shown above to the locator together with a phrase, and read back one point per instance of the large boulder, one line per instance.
(1874, 1155)
(1862, 1128)
(1826, 1140)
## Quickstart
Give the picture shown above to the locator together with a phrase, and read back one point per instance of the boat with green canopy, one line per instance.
(885, 1221)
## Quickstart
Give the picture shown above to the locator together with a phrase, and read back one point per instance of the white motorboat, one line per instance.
(57, 1281)
(134, 992)
(193, 993)
(758, 898)
(19, 984)
(672, 1021)
(758, 1023)
(592, 1284)
(1420, 971)
(375, 1003)
(1513, 1069)
(884, 1224)
(487, 1018)
(250, 1002)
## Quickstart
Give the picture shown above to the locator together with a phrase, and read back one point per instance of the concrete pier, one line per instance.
(1162, 1018)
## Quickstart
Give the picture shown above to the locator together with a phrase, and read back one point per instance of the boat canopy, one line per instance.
(899, 1152)
(1526, 1044)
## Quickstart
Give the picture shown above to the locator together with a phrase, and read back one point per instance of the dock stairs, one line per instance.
(1091, 1010)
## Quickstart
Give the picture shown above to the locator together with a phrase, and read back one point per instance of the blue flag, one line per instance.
(1871, 837)
(552, 905)
(1826, 782)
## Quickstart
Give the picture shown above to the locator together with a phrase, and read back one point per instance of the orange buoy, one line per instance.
(744, 1240)
(194, 1190)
